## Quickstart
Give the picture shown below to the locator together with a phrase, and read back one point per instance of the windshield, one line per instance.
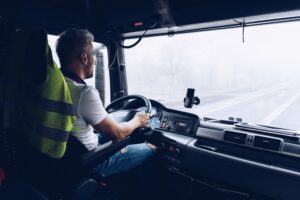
(258, 80)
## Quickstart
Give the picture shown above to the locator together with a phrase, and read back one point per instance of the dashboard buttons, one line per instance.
(188, 131)
(176, 123)
(177, 152)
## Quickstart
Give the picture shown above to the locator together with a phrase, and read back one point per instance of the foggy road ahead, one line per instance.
(276, 105)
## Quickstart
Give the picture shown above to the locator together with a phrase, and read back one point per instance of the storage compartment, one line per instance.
(185, 186)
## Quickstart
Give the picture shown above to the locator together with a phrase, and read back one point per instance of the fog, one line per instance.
(257, 80)
(215, 60)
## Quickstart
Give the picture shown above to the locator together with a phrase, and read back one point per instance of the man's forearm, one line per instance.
(118, 131)
(125, 128)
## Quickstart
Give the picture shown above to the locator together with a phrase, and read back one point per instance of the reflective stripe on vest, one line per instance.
(42, 112)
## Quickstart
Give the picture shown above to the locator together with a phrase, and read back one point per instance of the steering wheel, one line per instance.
(123, 114)
(129, 97)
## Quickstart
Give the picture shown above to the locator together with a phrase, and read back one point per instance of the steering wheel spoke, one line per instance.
(117, 102)
(122, 115)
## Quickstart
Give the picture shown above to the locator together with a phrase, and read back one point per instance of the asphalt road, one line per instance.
(276, 105)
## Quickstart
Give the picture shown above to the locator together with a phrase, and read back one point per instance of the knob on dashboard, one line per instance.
(187, 131)
(177, 151)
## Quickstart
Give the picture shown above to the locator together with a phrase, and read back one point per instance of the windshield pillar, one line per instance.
(117, 70)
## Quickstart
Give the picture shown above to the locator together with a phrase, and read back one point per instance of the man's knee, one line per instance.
(139, 150)
(153, 147)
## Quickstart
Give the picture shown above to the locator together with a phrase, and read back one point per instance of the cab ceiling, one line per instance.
(130, 18)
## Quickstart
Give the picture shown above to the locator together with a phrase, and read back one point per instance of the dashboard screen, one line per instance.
(181, 124)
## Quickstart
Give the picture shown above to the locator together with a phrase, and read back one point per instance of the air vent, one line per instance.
(235, 137)
(268, 143)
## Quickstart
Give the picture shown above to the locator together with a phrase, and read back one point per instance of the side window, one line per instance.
(100, 80)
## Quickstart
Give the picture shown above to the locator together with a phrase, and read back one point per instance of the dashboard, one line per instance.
(173, 121)
(220, 154)
(246, 160)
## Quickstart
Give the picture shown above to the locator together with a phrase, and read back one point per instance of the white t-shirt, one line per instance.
(89, 111)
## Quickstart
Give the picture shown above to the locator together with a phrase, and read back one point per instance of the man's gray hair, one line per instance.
(71, 43)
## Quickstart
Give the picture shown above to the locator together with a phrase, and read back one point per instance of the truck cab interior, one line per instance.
(224, 128)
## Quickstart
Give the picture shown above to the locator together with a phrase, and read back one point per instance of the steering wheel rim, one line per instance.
(128, 97)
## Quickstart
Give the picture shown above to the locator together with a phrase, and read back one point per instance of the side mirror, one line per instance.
(190, 99)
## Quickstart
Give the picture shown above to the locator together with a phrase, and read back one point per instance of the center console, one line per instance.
(179, 123)
(178, 129)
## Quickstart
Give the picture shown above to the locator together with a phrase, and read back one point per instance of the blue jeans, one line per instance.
(142, 167)
(125, 160)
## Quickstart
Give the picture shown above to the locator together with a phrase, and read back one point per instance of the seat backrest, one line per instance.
(7, 152)
(37, 120)
(36, 114)
(36, 99)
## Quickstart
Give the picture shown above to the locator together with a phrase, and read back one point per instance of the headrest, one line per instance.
(33, 53)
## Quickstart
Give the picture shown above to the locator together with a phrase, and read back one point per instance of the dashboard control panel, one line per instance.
(171, 151)
(182, 125)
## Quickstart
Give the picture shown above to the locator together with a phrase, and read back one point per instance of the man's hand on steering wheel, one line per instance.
(142, 118)
(127, 121)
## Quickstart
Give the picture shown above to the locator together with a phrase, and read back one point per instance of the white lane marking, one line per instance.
(267, 120)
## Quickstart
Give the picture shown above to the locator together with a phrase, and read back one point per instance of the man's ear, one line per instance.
(84, 58)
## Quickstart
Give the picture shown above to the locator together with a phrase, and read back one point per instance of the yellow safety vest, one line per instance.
(35, 96)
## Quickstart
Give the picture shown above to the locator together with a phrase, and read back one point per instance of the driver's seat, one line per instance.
(54, 168)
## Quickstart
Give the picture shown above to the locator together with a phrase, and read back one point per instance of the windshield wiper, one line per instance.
(266, 129)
